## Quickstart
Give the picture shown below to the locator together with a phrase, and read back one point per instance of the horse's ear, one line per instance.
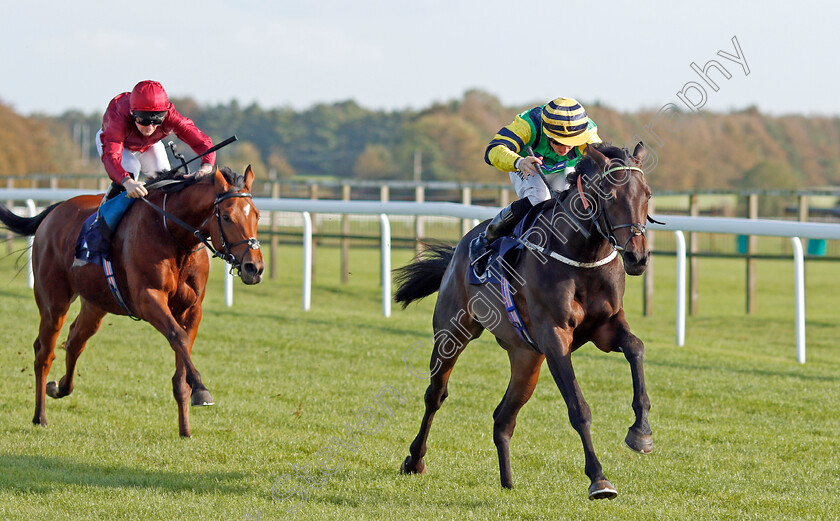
(639, 153)
(600, 159)
(249, 178)
(222, 186)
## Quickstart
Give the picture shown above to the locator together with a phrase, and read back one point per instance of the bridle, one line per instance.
(607, 231)
(227, 253)
(228, 256)
(601, 220)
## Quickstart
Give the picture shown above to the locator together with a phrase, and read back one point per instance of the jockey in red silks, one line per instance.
(130, 140)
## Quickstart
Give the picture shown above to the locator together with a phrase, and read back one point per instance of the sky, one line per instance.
(392, 55)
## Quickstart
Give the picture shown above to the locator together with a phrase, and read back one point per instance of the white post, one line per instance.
(228, 285)
(385, 229)
(799, 297)
(680, 237)
(307, 260)
(32, 211)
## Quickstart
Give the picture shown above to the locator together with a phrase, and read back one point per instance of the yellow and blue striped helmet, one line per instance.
(564, 120)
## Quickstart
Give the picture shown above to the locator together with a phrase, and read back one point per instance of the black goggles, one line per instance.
(148, 118)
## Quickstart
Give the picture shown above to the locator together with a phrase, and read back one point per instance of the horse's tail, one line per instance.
(422, 277)
(23, 225)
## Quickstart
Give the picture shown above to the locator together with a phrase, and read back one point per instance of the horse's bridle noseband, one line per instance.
(228, 256)
(608, 230)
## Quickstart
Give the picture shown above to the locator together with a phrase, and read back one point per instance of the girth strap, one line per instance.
(115, 290)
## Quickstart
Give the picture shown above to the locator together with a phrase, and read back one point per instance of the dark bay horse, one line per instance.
(568, 286)
(160, 269)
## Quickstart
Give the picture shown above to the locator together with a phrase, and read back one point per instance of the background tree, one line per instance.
(377, 162)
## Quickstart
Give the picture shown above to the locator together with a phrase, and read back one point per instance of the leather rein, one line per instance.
(227, 255)
(607, 230)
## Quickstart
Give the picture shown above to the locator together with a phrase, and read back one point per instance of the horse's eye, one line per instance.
(226, 218)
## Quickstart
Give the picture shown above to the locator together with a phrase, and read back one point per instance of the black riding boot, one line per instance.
(502, 224)
(113, 190)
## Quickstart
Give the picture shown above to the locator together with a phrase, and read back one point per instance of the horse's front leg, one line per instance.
(556, 344)
(154, 308)
(615, 335)
(189, 320)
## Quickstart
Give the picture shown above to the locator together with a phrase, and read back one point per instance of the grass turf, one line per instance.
(741, 431)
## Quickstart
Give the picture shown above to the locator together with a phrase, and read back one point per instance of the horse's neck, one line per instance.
(575, 236)
(194, 202)
(193, 205)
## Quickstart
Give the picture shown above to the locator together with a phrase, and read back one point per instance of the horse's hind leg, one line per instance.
(616, 336)
(84, 327)
(451, 337)
(524, 372)
(52, 318)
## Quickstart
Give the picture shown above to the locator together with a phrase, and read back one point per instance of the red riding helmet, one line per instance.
(149, 96)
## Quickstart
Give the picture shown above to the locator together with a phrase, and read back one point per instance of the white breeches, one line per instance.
(154, 159)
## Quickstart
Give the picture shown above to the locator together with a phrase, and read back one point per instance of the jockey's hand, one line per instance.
(134, 189)
(528, 165)
(206, 169)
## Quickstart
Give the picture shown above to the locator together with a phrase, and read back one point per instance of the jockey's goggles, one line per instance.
(145, 118)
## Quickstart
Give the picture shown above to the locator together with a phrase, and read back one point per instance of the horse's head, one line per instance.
(235, 227)
(623, 198)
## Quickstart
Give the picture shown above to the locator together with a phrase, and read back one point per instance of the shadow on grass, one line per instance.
(43, 474)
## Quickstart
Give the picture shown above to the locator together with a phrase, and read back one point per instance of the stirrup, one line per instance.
(479, 241)
(479, 263)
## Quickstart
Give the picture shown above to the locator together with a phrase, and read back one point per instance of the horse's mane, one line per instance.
(177, 181)
(587, 166)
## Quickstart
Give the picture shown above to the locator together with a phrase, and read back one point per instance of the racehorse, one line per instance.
(564, 300)
(160, 267)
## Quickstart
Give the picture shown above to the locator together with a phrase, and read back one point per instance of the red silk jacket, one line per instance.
(119, 131)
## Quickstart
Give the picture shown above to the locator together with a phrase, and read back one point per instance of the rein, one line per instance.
(227, 255)
(607, 231)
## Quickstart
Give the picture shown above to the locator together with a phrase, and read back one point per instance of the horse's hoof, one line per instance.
(52, 390)
(642, 443)
(41, 422)
(201, 398)
(602, 489)
(417, 468)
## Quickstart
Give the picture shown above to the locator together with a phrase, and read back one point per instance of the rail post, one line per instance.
(680, 237)
(799, 297)
(345, 242)
(385, 231)
(307, 260)
(752, 213)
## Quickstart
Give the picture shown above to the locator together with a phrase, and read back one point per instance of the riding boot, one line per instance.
(501, 225)
(113, 190)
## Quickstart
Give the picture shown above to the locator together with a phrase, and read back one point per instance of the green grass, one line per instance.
(741, 431)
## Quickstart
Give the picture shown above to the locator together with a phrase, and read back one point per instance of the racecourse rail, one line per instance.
(677, 224)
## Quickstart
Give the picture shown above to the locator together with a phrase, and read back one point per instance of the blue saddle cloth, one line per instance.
(504, 254)
(94, 242)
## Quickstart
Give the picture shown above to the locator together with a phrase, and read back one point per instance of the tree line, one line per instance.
(740, 149)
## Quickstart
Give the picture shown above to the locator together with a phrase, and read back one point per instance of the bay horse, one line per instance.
(160, 267)
(564, 299)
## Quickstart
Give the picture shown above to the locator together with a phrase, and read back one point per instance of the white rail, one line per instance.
(677, 224)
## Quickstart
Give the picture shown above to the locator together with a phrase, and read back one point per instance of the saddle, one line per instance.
(505, 251)
(94, 242)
